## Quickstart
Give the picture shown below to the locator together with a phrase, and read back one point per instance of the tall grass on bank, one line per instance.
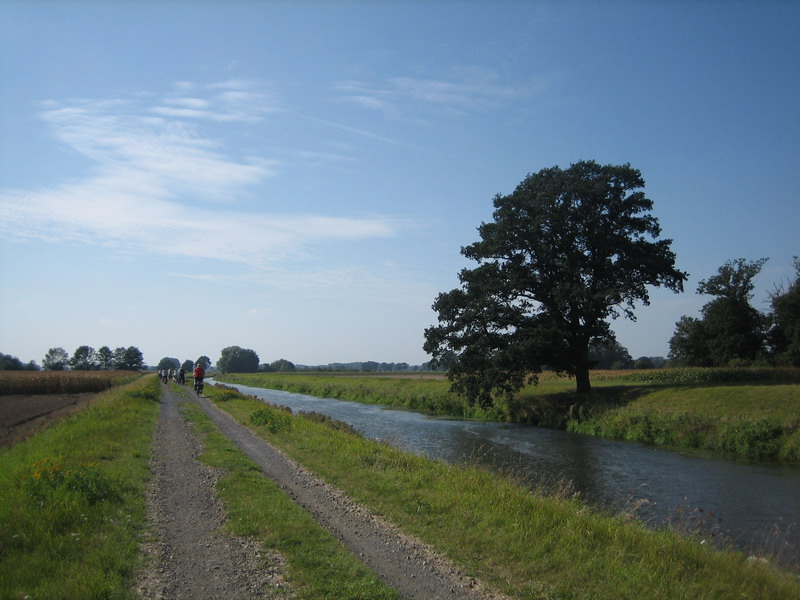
(73, 500)
(749, 412)
(524, 543)
(61, 382)
(754, 421)
(318, 565)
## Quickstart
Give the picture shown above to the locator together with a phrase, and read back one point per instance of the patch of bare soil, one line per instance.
(21, 416)
(193, 557)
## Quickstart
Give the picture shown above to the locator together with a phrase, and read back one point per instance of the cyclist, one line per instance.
(198, 374)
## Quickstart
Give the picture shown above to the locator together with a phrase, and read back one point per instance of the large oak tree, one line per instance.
(566, 251)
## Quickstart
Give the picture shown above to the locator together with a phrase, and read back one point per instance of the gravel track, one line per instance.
(194, 557)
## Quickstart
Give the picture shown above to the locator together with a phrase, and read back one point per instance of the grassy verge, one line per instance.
(73, 500)
(526, 544)
(747, 412)
(319, 566)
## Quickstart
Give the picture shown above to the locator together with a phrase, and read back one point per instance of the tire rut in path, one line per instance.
(408, 565)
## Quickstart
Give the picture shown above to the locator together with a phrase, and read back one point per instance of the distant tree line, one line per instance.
(12, 363)
(86, 358)
(368, 366)
(613, 355)
(235, 359)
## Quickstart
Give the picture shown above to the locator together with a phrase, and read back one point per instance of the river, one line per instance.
(754, 505)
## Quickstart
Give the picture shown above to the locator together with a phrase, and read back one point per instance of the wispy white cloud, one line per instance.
(151, 163)
(232, 101)
(467, 90)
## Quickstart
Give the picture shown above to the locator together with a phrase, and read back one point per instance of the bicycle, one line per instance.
(198, 387)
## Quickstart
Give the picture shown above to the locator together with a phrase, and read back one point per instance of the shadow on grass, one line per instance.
(556, 409)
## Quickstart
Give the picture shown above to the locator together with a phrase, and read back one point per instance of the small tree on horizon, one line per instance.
(168, 363)
(83, 359)
(282, 366)
(234, 359)
(730, 330)
(128, 359)
(56, 359)
(105, 358)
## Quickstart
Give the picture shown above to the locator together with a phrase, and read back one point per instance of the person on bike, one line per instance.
(198, 373)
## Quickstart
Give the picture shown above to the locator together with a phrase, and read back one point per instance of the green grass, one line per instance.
(527, 544)
(318, 565)
(413, 393)
(73, 500)
(72, 516)
(750, 412)
(751, 420)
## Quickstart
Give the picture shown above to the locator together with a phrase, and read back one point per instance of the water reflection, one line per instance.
(745, 500)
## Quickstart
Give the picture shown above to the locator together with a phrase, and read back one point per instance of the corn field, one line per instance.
(61, 382)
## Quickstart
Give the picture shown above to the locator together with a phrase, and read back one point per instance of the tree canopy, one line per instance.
(13, 363)
(128, 359)
(566, 251)
(84, 359)
(279, 366)
(168, 363)
(784, 335)
(730, 330)
(105, 358)
(234, 359)
(56, 359)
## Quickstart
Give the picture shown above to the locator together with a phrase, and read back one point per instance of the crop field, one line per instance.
(61, 382)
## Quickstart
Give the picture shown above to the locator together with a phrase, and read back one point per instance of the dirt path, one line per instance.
(195, 559)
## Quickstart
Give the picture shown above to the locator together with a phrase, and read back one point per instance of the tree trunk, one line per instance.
(582, 368)
(583, 386)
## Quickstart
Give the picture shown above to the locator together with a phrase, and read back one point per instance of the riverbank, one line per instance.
(753, 413)
(527, 544)
(75, 513)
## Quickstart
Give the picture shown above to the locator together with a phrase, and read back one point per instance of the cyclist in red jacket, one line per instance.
(198, 374)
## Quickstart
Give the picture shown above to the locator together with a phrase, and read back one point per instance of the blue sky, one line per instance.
(298, 177)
